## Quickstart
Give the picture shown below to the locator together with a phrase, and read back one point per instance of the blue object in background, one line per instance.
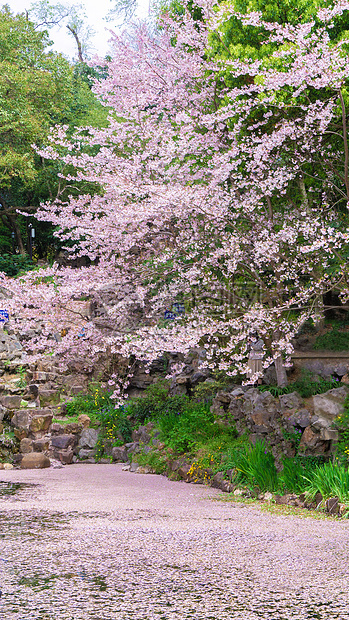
(169, 315)
(4, 316)
(178, 308)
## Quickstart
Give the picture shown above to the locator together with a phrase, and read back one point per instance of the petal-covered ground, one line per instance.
(92, 542)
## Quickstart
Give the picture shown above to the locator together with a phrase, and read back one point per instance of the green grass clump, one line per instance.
(255, 467)
(295, 469)
(330, 479)
(65, 421)
(156, 461)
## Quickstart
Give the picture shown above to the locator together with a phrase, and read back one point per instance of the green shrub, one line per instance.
(154, 460)
(88, 404)
(294, 437)
(154, 402)
(193, 425)
(115, 427)
(330, 479)
(206, 390)
(115, 424)
(13, 264)
(183, 432)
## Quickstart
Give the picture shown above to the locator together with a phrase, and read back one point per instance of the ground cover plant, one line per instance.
(306, 385)
(334, 340)
(155, 402)
(342, 425)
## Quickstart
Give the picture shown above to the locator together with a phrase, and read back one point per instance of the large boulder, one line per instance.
(312, 442)
(21, 419)
(84, 420)
(119, 454)
(49, 397)
(40, 423)
(261, 407)
(57, 429)
(65, 456)
(33, 420)
(11, 402)
(328, 406)
(3, 412)
(62, 442)
(141, 435)
(86, 454)
(301, 418)
(88, 438)
(26, 446)
(73, 429)
(41, 445)
(219, 482)
(35, 460)
(290, 401)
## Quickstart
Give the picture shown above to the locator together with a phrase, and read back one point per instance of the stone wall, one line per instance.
(286, 421)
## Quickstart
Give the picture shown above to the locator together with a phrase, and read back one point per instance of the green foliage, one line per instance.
(291, 478)
(255, 467)
(183, 432)
(155, 402)
(14, 264)
(331, 480)
(154, 460)
(307, 385)
(38, 89)
(83, 404)
(341, 424)
(207, 389)
(115, 427)
(333, 340)
(294, 437)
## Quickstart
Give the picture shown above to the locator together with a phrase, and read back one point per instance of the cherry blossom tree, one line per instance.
(222, 186)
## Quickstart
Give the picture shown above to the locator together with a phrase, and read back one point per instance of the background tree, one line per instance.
(72, 16)
(38, 89)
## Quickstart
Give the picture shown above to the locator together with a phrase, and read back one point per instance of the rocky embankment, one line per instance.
(286, 421)
(32, 404)
(33, 421)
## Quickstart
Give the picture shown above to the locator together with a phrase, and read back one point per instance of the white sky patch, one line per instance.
(96, 11)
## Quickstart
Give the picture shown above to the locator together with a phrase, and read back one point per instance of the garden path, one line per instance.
(93, 542)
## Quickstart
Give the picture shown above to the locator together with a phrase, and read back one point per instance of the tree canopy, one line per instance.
(38, 89)
(225, 199)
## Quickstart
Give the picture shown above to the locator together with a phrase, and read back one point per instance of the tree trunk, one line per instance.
(78, 42)
(281, 375)
(15, 227)
(9, 220)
